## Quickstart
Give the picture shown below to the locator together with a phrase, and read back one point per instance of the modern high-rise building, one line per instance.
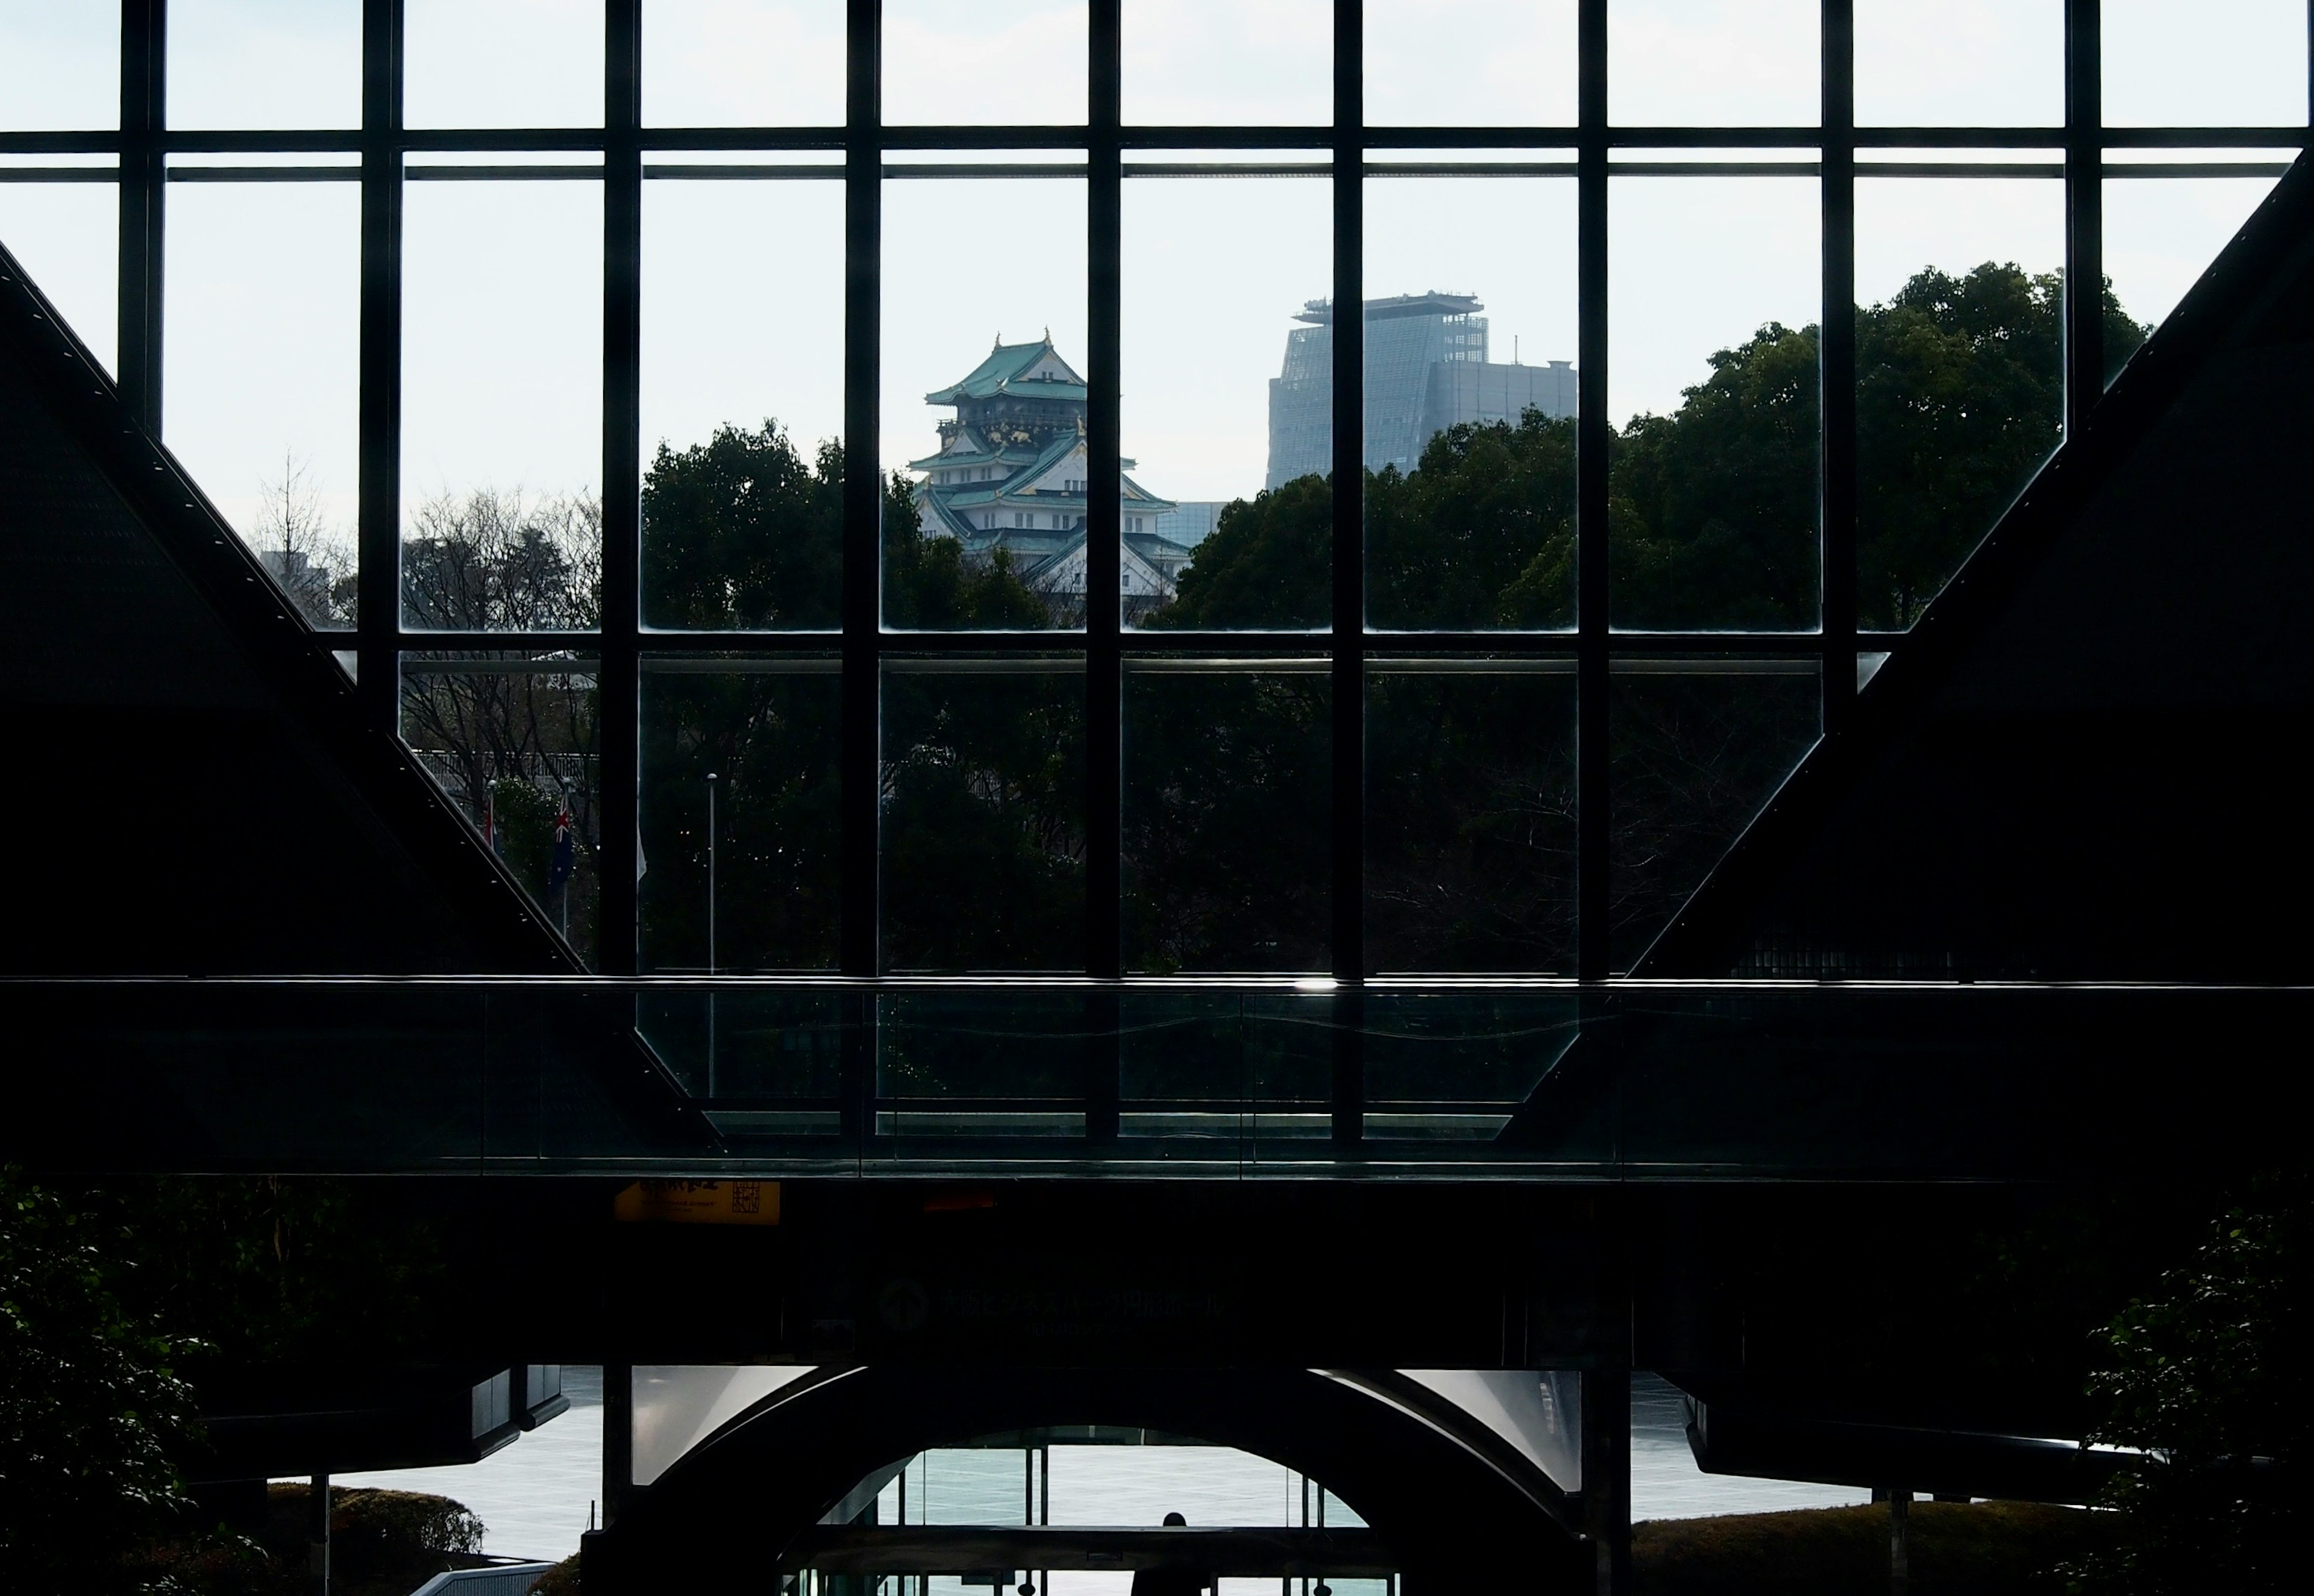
(1427, 370)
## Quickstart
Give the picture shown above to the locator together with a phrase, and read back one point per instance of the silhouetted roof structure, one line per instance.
(195, 789)
(2084, 764)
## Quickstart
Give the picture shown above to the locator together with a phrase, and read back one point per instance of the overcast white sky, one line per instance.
(742, 295)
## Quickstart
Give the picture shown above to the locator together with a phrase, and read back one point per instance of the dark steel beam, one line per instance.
(1836, 463)
(1104, 511)
(862, 602)
(1347, 694)
(2084, 212)
(143, 115)
(1594, 440)
(378, 571)
(618, 686)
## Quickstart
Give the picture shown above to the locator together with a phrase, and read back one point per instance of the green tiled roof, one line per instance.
(1005, 363)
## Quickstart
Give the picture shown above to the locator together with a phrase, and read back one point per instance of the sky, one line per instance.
(742, 287)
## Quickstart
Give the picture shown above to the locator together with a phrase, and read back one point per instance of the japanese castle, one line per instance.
(1011, 474)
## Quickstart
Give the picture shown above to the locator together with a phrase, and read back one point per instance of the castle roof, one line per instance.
(1005, 363)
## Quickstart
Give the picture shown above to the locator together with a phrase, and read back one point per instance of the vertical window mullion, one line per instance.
(1591, 440)
(1836, 463)
(2084, 211)
(378, 571)
(1104, 675)
(620, 683)
(143, 178)
(1348, 697)
(857, 936)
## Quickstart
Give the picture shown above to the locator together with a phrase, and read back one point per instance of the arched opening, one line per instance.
(1450, 1501)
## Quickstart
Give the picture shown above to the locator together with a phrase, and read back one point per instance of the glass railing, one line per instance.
(766, 1077)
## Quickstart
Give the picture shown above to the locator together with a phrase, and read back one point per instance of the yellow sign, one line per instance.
(699, 1202)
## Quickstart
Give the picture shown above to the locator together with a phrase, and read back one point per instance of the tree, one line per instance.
(308, 557)
(2211, 1378)
(90, 1402)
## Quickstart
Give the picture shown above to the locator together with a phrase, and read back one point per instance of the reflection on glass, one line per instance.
(1680, 63)
(742, 404)
(1696, 748)
(1713, 295)
(1455, 1066)
(513, 740)
(263, 355)
(941, 1057)
(1016, 61)
(2161, 233)
(1476, 62)
(983, 404)
(743, 63)
(1227, 816)
(503, 64)
(502, 373)
(60, 66)
(770, 1061)
(1213, 271)
(262, 64)
(1960, 63)
(68, 238)
(1471, 818)
(1470, 402)
(1188, 62)
(1959, 372)
(982, 829)
(752, 743)
(2242, 63)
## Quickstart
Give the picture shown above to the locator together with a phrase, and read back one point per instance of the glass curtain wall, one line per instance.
(964, 460)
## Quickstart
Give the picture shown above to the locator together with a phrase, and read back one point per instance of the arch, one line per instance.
(1454, 1501)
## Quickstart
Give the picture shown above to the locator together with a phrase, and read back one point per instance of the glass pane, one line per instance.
(1437, 63)
(743, 63)
(1971, 64)
(60, 65)
(1959, 372)
(2161, 233)
(2242, 63)
(1205, 546)
(1679, 63)
(1227, 816)
(762, 735)
(1471, 523)
(1471, 817)
(263, 396)
(1714, 285)
(503, 63)
(1697, 747)
(262, 64)
(1188, 62)
(743, 404)
(982, 527)
(68, 237)
(983, 832)
(999, 61)
(511, 737)
(502, 418)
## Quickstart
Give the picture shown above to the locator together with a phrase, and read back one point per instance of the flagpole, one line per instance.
(562, 898)
(711, 931)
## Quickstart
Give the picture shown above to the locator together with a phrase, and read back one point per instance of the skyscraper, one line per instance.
(1427, 370)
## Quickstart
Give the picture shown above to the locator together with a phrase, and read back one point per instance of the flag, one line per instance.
(490, 837)
(557, 871)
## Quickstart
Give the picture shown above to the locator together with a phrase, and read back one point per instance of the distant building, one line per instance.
(1427, 370)
(1192, 521)
(1011, 473)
